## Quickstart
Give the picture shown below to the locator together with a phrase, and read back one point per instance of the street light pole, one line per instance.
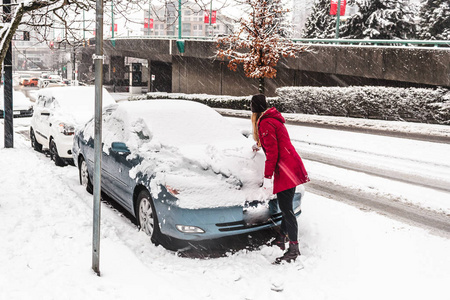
(8, 84)
(98, 64)
(179, 19)
(113, 42)
(149, 15)
(338, 17)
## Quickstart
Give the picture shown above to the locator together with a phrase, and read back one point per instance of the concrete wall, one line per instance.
(199, 71)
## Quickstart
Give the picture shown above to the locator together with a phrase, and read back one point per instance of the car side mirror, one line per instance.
(120, 148)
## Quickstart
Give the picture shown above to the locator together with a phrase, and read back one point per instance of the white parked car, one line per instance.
(57, 113)
(22, 106)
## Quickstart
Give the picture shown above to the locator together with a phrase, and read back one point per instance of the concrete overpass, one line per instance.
(197, 70)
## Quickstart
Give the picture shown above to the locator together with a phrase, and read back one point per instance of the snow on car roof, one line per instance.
(179, 122)
(76, 103)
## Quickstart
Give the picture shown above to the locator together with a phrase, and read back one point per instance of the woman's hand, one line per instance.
(268, 186)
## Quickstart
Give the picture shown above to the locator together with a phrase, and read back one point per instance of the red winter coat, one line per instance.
(282, 160)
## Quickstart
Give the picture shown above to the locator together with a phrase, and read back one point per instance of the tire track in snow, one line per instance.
(437, 223)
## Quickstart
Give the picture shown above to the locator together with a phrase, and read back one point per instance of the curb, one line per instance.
(407, 130)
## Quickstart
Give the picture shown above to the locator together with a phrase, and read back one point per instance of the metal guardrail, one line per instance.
(394, 43)
(435, 43)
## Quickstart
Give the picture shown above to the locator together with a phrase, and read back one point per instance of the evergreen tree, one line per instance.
(381, 19)
(320, 24)
(435, 20)
(375, 19)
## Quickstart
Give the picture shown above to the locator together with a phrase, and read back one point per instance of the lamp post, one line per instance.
(179, 19)
(338, 17)
(8, 89)
(113, 42)
(149, 15)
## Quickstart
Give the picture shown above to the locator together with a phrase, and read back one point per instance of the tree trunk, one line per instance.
(7, 35)
(261, 86)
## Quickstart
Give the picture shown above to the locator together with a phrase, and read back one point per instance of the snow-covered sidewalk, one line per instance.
(46, 233)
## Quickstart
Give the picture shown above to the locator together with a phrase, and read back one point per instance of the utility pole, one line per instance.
(338, 18)
(113, 42)
(98, 63)
(179, 19)
(8, 85)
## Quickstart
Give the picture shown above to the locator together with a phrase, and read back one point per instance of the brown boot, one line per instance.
(290, 255)
(280, 241)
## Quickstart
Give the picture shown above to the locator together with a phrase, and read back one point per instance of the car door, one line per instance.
(41, 120)
(116, 166)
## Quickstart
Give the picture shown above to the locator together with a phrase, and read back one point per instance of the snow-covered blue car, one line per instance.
(181, 169)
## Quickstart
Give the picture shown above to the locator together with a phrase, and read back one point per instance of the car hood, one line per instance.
(20, 101)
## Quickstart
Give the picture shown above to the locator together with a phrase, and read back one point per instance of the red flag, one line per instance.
(334, 4)
(148, 23)
(213, 17)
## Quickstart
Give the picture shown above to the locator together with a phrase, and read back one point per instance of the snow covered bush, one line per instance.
(372, 102)
(384, 103)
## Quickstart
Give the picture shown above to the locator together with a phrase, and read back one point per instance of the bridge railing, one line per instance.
(423, 43)
(395, 43)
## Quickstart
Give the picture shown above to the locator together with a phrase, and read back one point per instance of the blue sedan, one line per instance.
(181, 169)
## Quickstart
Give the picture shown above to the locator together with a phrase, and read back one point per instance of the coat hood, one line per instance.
(273, 113)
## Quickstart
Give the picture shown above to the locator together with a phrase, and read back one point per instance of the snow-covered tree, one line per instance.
(375, 19)
(261, 39)
(435, 20)
(320, 24)
(381, 19)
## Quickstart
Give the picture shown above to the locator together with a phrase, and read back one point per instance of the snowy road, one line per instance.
(347, 253)
(405, 179)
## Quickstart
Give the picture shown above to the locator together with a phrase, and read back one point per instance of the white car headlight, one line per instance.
(66, 129)
(190, 229)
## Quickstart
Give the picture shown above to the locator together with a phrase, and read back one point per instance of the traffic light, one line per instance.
(51, 45)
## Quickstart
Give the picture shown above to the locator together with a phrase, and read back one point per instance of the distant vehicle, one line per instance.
(23, 79)
(57, 112)
(44, 83)
(67, 81)
(55, 77)
(179, 178)
(22, 106)
(31, 82)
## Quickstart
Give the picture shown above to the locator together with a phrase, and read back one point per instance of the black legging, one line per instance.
(289, 222)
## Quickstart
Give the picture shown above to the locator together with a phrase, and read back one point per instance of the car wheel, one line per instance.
(146, 216)
(31, 84)
(85, 180)
(54, 155)
(34, 143)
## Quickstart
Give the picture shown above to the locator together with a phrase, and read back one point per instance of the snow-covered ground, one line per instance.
(347, 253)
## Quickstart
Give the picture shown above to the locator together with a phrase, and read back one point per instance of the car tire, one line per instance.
(146, 216)
(34, 143)
(54, 154)
(85, 180)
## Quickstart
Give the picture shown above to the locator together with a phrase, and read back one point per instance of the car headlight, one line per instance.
(189, 229)
(66, 129)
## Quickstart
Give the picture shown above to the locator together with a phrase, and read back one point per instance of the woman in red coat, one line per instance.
(283, 165)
